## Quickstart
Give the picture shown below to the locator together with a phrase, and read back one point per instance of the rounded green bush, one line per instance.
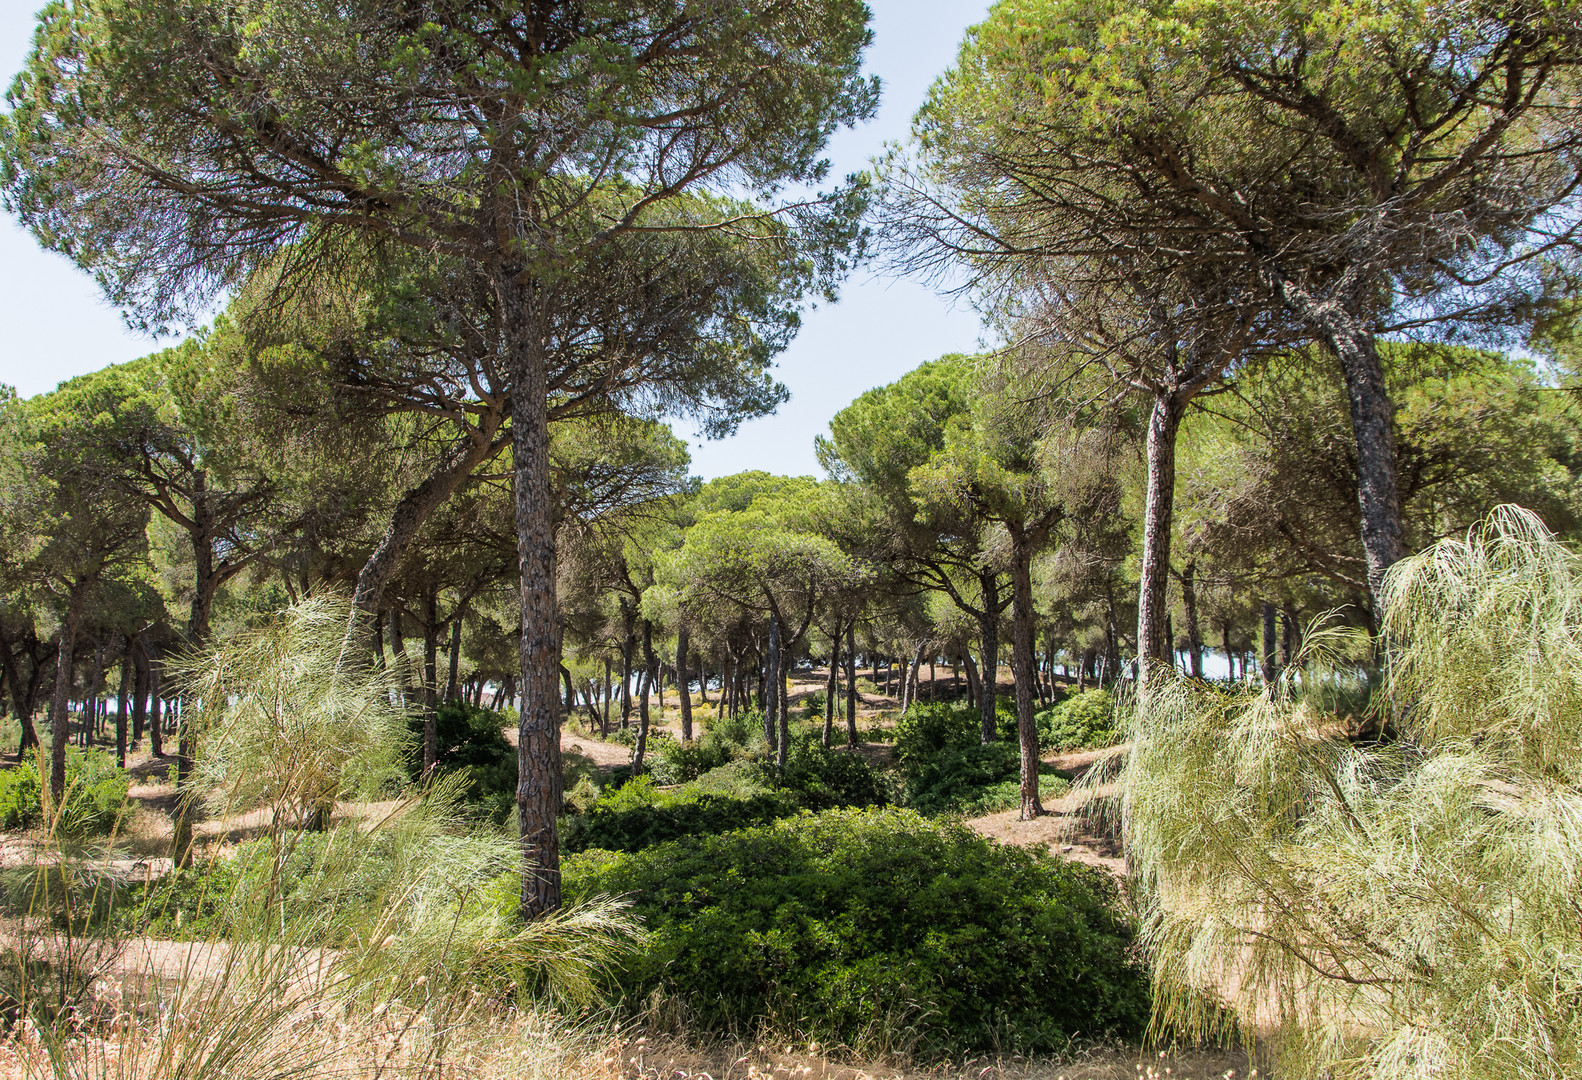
(877, 929)
(96, 790)
(1085, 720)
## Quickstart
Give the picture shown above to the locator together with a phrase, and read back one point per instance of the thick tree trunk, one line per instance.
(1153, 603)
(430, 681)
(1022, 666)
(59, 706)
(1372, 424)
(851, 684)
(684, 684)
(538, 788)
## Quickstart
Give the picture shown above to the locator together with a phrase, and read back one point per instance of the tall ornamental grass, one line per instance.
(1403, 909)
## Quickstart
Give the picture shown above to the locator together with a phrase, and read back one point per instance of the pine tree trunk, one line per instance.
(830, 685)
(538, 786)
(430, 682)
(1153, 604)
(650, 676)
(1022, 667)
(684, 684)
(123, 702)
(851, 684)
(989, 648)
(58, 710)
(452, 682)
(1267, 666)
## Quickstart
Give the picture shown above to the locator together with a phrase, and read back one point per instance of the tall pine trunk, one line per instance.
(1153, 602)
(650, 677)
(851, 684)
(1022, 667)
(538, 785)
(59, 711)
(684, 684)
(989, 649)
(430, 681)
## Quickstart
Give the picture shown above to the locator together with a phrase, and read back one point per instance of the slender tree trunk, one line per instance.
(1153, 603)
(156, 706)
(21, 707)
(650, 676)
(95, 688)
(58, 711)
(538, 787)
(910, 687)
(684, 683)
(626, 677)
(1224, 644)
(851, 684)
(609, 692)
(771, 690)
(830, 686)
(398, 652)
(989, 647)
(452, 683)
(430, 681)
(974, 692)
(1022, 665)
(703, 679)
(1189, 607)
(1289, 634)
(123, 702)
(1267, 666)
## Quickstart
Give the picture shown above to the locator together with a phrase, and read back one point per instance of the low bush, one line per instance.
(676, 762)
(638, 815)
(1082, 721)
(879, 930)
(95, 794)
(471, 738)
(822, 778)
(977, 779)
(744, 731)
(927, 731)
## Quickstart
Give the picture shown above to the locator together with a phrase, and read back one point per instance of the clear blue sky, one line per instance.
(56, 325)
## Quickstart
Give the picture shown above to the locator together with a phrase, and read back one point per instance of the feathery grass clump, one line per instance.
(383, 947)
(1409, 909)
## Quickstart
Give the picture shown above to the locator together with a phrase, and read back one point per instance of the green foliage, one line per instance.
(1082, 721)
(878, 930)
(95, 794)
(822, 778)
(928, 730)
(744, 731)
(637, 815)
(973, 780)
(675, 761)
(1415, 900)
(470, 738)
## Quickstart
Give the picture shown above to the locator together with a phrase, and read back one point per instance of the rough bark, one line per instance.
(1266, 665)
(21, 702)
(683, 684)
(1153, 604)
(59, 715)
(123, 701)
(772, 686)
(830, 685)
(430, 681)
(851, 684)
(538, 788)
(453, 680)
(1022, 666)
(650, 677)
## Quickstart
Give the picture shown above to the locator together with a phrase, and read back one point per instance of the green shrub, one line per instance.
(879, 930)
(822, 778)
(676, 762)
(1081, 721)
(744, 731)
(471, 738)
(926, 731)
(638, 815)
(978, 779)
(96, 790)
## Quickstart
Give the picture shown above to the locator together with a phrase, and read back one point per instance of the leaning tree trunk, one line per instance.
(1153, 602)
(989, 649)
(683, 684)
(538, 786)
(59, 704)
(1022, 666)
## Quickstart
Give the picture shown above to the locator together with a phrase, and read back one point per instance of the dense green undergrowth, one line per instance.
(96, 791)
(877, 929)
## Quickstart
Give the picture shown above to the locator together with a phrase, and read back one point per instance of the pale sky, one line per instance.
(57, 325)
